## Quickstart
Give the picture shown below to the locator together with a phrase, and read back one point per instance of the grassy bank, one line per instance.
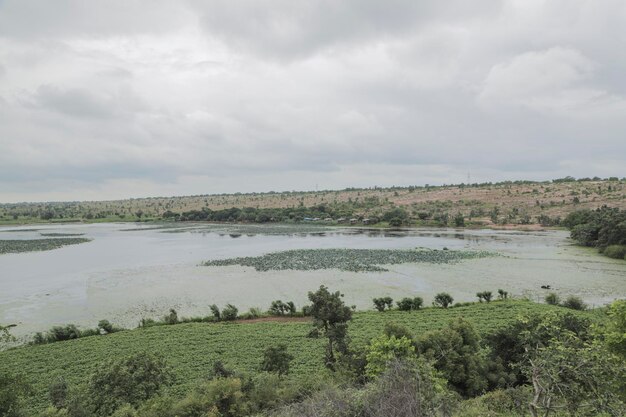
(191, 348)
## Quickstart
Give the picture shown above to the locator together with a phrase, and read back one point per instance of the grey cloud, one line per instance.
(292, 29)
(231, 96)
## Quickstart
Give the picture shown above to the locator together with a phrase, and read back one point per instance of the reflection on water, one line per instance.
(127, 272)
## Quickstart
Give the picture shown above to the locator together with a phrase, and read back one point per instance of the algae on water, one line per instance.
(32, 245)
(356, 260)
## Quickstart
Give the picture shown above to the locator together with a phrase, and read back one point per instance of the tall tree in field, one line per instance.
(331, 318)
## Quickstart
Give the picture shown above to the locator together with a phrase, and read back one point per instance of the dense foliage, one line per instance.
(604, 228)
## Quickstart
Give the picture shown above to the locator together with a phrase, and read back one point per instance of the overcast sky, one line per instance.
(128, 98)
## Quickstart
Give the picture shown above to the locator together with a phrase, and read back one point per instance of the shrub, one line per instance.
(57, 393)
(219, 370)
(503, 295)
(215, 310)
(443, 299)
(276, 359)
(575, 303)
(615, 251)
(229, 312)
(408, 304)
(397, 330)
(383, 303)
(553, 299)
(171, 318)
(106, 326)
(278, 308)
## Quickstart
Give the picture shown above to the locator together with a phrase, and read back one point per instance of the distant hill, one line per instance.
(486, 204)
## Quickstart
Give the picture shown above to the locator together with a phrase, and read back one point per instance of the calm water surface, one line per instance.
(123, 274)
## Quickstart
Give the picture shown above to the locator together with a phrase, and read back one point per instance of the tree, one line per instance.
(131, 380)
(485, 295)
(443, 299)
(13, 389)
(503, 295)
(383, 303)
(616, 328)
(383, 350)
(456, 353)
(568, 372)
(276, 359)
(459, 220)
(331, 317)
(408, 304)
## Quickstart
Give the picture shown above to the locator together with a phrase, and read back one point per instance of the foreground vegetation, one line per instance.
(281, 368)
(356, 260)
(510, 202)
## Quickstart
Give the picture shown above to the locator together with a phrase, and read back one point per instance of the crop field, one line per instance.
(355, 260)
(191, 348)
(32, 245)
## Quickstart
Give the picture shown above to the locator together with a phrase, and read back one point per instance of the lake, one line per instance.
(130, 271)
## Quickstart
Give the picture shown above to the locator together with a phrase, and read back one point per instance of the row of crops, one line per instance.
(191, 348)
(32, 245)
(356, 260)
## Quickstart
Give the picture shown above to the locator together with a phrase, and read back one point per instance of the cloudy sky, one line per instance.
(129, 98)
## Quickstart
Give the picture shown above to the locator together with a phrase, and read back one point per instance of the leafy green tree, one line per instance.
(569, 372)
(457, 354)
(443, 299)
(459, 220)
(484, 296)
(276, 359)
(383, 350)
(131, 380)
(615, 332)
(408, 304)
(397, 330)
(503, 295)
(508, 343)
(331, 317)
(383, 303)
(13, 390)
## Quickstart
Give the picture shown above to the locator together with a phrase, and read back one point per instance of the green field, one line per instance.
(191, 348)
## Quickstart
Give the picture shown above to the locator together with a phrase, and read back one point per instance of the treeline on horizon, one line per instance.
(360, 208)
